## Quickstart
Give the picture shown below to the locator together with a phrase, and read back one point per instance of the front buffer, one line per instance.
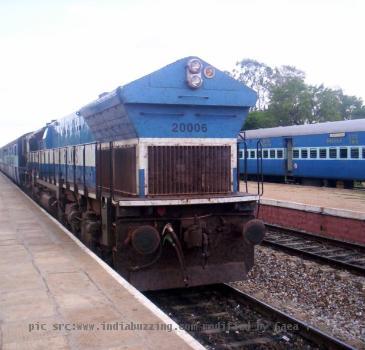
(186, 245)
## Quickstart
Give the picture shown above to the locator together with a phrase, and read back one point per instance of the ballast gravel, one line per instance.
(330, 299)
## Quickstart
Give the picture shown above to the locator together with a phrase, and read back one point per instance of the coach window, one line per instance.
(313, 153)
(363, 153)
(272, 153)
(304, 153)
(296, 153)
(240, 154)
(343, 153)
(266, 153)
(280, 153)
(333, 153)
(355, 154)
(322, 153)
(252, 154)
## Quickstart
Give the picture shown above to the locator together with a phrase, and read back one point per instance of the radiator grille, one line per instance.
(104, 169)
(189, 170)
(116, 170)
(124, 170)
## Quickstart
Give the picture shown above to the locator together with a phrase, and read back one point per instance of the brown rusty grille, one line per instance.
(124, 170)
(189, 170)
(117, 174)
(103, 169)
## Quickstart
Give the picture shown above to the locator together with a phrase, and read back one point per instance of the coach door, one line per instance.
(289, 155)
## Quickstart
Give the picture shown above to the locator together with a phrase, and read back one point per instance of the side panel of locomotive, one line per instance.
(146, 176)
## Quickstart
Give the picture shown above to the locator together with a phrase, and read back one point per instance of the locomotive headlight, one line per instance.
(195, 81)
(194, 73)
(194, 66)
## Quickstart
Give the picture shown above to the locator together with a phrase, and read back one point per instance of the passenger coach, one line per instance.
(320, 153)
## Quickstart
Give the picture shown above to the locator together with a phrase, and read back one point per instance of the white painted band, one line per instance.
(187, 201)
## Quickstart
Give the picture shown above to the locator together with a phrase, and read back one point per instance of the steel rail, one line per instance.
(307, 331)
(305, 242)
(219, 303)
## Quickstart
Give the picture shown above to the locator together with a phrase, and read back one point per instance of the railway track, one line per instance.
(222, 317)
(333, 252)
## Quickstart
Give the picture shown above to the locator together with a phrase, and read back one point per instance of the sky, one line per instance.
(58, 55)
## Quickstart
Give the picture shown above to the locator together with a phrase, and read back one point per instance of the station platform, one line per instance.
(331, 212)
(56, 294)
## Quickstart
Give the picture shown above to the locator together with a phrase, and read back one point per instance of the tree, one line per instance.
(259, 119)
(291, 102)
(285, 73)
(326, 104)
(351, 107)
(256, 75)
(359, 113)
(262, 78)
(285, 99)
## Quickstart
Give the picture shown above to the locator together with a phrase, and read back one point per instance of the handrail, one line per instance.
(245, 174)
(259, 169)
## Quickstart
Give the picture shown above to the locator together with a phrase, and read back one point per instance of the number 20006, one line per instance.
(189, 127)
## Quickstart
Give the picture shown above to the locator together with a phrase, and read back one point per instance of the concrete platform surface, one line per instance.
(55, 294)
(324, 197)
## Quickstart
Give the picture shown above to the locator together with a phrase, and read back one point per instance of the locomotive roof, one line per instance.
(151, 105)
(168, 86)
(308, 129)
(15, 141)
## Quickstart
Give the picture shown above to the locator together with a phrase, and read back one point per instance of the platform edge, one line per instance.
(186, 337)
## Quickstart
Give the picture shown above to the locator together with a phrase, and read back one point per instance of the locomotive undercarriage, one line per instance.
(195, 245)
(159, 247)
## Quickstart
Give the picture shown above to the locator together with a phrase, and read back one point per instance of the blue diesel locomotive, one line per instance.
(322, 153)
(146, 176)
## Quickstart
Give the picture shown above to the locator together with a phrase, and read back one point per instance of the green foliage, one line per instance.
(285, 99)
(326, 104)
(256, 75)
(359, 113)
(259, 119)
(352, 107)
(285, 73)
(290, 102)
